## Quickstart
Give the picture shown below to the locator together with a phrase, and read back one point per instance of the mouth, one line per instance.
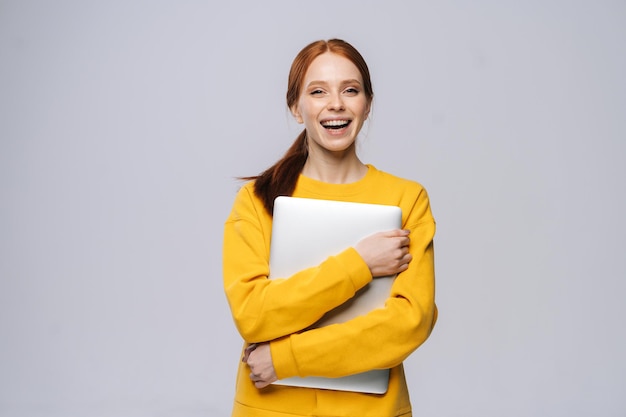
(335, 124)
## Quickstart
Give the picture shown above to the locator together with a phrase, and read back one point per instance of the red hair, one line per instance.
(281, 178)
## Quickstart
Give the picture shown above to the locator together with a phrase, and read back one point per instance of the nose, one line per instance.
(335, 102)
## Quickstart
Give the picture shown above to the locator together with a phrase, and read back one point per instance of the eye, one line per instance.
(316, 92)
(351, 91)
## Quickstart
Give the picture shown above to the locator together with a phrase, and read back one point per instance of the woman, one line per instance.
(330, 93)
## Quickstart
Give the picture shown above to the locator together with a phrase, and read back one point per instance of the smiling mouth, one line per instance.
(335, 124)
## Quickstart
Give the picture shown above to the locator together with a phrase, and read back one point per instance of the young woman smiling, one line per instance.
(330, 93)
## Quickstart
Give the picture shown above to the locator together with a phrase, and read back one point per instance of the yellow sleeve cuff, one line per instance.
(282, 357)
(355, 266)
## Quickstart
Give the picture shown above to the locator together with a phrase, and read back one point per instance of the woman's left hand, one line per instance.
(261, 366)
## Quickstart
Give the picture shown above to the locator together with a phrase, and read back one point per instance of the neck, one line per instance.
(335, 169)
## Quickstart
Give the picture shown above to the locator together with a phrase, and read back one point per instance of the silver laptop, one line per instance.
(307, 231)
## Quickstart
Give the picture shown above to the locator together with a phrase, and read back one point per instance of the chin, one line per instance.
(338, 147)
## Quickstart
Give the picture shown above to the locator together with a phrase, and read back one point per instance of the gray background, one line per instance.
(124, 123)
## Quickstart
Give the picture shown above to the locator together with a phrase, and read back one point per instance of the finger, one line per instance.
(403, 263)
(261, 384)
(401, 252)
(256, 377)
(394, 233)
(249, 349)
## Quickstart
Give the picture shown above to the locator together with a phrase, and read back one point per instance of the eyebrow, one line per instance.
(345, 82)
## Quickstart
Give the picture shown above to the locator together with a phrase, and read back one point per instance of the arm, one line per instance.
(384, 337)
(266, 309)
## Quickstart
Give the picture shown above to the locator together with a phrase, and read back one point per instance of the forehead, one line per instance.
(331, 67)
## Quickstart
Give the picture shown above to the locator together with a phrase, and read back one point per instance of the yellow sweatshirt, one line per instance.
(277, 310)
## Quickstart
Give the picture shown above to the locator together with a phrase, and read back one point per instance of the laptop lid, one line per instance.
(305, 232)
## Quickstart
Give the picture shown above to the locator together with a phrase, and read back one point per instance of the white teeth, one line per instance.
(334, 123)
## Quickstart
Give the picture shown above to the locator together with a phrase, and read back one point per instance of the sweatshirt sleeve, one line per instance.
(382, 338)
(265, 309)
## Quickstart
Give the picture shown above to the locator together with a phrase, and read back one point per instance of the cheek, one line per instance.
(366, 112)
(308, 112)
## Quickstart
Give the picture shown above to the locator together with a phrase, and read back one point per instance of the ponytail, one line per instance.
(281, 178)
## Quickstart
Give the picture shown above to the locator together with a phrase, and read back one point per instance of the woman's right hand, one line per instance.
(386, 253)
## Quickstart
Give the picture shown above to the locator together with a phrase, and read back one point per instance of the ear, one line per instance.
(367, 112)
(296, 114)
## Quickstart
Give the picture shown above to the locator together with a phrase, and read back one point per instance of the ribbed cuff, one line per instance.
(355, 266)
(284, 362)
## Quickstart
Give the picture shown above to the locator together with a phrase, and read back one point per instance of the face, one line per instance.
(332, 105)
